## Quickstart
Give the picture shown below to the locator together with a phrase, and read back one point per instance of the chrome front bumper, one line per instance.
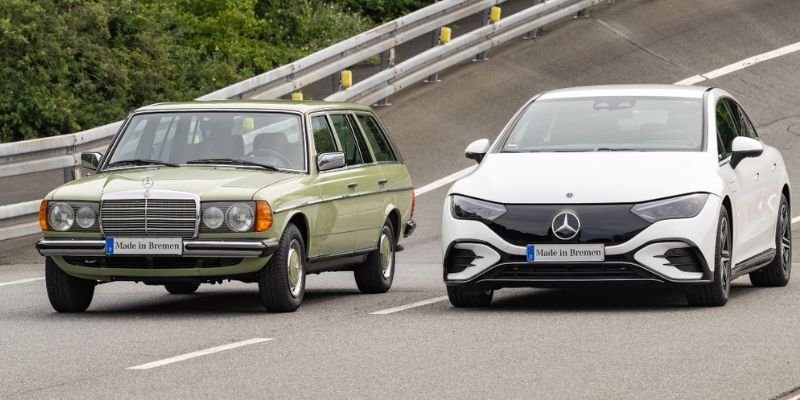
(191, 248)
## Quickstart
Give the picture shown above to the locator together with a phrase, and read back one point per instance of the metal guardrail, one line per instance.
(63, 152)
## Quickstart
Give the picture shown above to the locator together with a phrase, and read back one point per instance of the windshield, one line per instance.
(609, 124)
(267, 139)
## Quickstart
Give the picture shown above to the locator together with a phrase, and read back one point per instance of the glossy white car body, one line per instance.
(570, 181)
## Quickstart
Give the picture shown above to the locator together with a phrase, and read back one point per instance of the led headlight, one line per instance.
(213, 218)
(85, 217)
(240, 217)
(61, 217)
(687, 206)
(469, 208)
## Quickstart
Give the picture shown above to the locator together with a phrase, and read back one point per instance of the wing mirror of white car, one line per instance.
(329, 161)
(477, 150)
(744, 147)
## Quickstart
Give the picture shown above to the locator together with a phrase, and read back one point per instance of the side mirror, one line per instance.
(90, 161)
(477, 150)
(744, 147)
(329, 161)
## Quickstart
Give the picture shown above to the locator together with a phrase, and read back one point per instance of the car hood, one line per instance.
(590, 177)
(210, 183)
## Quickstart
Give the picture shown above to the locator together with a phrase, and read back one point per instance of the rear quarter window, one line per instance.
(377, 139)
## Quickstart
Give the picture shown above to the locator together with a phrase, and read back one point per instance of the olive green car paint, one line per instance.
(340, 219)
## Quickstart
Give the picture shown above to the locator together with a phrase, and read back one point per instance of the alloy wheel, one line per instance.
(387, 255)
(726, 245)
(294, 266)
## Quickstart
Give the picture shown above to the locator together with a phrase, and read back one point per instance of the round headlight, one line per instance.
(213, 218)
(61, 217)
(85, 217)
(239, 217)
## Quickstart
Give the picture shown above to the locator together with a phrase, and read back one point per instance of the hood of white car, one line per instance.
(589, 177)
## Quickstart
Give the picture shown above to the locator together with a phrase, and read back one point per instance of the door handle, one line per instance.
(383, 181)
(774, 165)
(757, 175)
(352, 185)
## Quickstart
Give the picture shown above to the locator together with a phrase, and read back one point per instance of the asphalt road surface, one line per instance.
(410, 343)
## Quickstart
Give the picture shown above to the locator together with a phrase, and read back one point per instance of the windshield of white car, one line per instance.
(608, 124)
(272, 140)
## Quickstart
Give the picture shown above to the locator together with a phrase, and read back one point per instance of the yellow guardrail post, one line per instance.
(346, 78)
(495, 14)
(445, 35)
(297, 96)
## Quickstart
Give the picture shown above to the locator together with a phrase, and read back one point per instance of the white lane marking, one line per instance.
(409, 306)
(795, 397)
(200, 353)
(740, 65)
(795, 220)
(444, 181)
(20, 281)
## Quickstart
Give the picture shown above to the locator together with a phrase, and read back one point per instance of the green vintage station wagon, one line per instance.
(255, 191)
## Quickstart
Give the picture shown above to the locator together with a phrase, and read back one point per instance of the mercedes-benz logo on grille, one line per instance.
(566, 225)
(147, 182)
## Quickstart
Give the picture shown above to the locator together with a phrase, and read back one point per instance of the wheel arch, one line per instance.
(393, 215)
(301, 222)
(726, 202)
(786, 192)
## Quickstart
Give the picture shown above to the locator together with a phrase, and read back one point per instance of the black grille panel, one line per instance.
(458, 260)
(610, 224)
(149, 218)
(598, 271)
(152, 262)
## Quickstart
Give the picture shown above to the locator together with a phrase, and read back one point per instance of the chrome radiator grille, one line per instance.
(149, 218)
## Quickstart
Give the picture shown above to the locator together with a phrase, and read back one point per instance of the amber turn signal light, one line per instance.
(263, 216)
(43, 215)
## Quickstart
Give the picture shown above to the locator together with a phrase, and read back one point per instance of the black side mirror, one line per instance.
(744, 147)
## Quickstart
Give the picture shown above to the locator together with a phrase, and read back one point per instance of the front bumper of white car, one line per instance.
(494, 255)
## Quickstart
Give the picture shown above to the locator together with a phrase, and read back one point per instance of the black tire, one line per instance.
(465, 298)
(376, 274)
(716, 293)
(182, 287)
(67, 293)
(277, 292)
(778, 272)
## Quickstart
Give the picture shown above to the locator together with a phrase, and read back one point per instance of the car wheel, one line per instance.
(67, 293)
(182, 287)
(464, 298)
(376, 274)
(716, 293)
(778, 272)
(282, 282)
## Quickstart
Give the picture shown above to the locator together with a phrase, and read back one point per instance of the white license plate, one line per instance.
(144, 246)
(566, 252)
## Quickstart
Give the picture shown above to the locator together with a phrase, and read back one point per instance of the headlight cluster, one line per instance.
(687, 206)
(64, 216)
(469, 208)
(237, 217)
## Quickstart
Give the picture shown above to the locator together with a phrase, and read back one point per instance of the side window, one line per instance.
(726, 128)
(347, 138)
(377, 139)
(744, 121)
(323, 137)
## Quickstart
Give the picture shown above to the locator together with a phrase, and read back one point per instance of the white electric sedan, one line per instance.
(620, 184)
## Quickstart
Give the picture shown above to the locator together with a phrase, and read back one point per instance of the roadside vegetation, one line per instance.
(70, 65)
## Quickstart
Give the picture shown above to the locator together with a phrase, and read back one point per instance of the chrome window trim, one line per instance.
(118, 136)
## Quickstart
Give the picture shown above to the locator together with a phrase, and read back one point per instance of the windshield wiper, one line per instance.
(141, 162)
(614, 149)
(231, 161)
